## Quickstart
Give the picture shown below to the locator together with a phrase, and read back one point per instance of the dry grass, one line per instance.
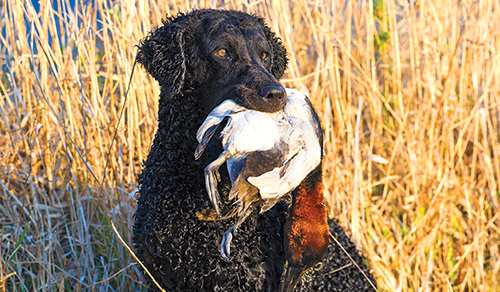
(409, 97)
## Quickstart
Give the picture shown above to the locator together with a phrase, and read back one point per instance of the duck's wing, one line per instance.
(212, 122)
(304, 141)
(284, 179)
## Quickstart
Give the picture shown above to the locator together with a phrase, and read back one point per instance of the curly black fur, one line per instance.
(181, 251)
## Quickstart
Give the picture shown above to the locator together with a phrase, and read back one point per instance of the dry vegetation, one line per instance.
(408, 93)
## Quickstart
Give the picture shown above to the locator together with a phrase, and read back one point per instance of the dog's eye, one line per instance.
(222, 52)
(264, 56)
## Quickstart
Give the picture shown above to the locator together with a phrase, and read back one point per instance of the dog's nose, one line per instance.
(273, 94)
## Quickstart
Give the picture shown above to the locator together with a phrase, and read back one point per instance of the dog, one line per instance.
(201, 59)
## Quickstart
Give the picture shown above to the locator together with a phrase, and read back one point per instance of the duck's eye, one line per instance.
(222, 52)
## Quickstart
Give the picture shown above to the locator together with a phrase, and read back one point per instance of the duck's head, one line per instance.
(306, 230)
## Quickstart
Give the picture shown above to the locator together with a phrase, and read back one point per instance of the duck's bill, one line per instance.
(290, 278)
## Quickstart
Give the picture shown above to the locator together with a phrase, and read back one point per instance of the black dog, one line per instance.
(201, 59)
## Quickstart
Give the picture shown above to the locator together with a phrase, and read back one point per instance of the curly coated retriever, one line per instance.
(200, 59)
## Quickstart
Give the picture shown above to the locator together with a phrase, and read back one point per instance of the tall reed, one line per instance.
(408, 93)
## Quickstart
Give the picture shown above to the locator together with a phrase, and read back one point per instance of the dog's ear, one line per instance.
(280, 58)
(162, 54)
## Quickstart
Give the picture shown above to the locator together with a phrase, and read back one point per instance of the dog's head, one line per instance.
(222, 54)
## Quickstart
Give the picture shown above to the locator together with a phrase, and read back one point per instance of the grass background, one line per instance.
(408, 93)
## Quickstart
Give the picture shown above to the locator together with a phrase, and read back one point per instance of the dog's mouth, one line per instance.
(268, 98)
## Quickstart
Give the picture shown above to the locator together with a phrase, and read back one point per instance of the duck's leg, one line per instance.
(225, 244)
(212, 177)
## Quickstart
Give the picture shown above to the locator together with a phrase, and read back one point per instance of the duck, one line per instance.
(268, 156)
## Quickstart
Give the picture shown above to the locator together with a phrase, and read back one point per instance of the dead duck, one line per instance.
(267, 155)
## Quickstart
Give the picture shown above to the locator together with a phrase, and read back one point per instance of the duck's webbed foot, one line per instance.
(212, 177)
(225, 245)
